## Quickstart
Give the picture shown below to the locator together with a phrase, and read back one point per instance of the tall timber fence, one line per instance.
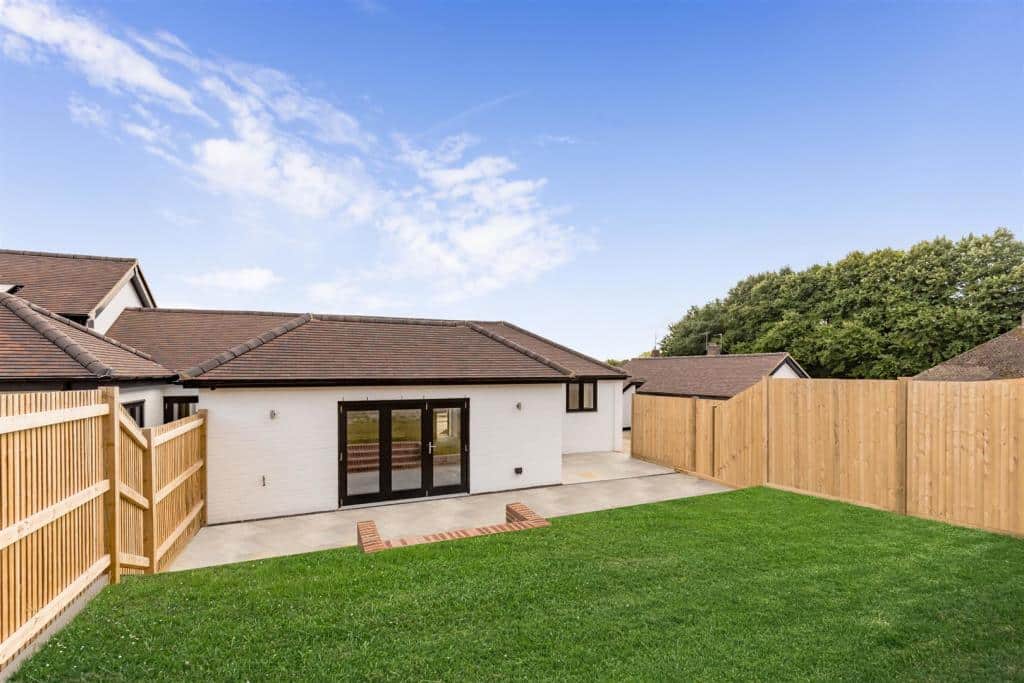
(86, 494)
(951, 451)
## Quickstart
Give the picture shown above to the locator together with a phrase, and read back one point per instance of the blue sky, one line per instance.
(586, 170)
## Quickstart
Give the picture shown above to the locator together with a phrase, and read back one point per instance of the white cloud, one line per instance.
(86, 113)
(105, 60)
(236, 280)
(545, 140)
(20, 50)
(262, 162)
(345, 294)
(438, 221)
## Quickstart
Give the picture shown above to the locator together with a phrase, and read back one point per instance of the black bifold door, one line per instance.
(402, 449)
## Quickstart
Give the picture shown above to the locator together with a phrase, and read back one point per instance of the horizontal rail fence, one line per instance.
(75, 501)
(952, 451)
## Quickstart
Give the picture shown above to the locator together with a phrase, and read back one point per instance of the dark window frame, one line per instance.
(171, 401)
(578, 388)
(130, 406)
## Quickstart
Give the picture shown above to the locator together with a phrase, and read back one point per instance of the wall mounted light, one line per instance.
(273, 414)
(519, 405)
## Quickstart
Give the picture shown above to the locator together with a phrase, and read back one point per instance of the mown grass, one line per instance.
(754, 584)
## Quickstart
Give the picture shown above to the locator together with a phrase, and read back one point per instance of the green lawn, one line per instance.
(754, 584)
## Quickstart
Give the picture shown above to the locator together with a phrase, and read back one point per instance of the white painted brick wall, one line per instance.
(297, 451)
(595, 431)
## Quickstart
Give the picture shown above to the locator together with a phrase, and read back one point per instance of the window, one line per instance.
(581, 397)
(137, 409)
(177, 407)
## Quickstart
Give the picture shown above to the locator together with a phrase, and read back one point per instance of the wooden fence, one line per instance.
(77, 481)
(952, 451)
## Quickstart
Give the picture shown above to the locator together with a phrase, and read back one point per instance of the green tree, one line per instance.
(882, 314)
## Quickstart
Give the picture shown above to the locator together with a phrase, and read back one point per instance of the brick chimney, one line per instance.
(714, 349)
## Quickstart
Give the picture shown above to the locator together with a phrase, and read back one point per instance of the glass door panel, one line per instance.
(362, 452)
(446, 447)
(406, 449)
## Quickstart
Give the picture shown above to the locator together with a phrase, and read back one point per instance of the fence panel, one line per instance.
(52, 489)
(965, 450)
(663, 430)
(838, 438)
(132, 447)
(741, 438)
(179, 482)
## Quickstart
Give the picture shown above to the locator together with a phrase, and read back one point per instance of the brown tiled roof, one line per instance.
(579, 364)
(999, 358)
(708, 376)
(184, 338)
(68, 284)
(36, 344)
(328, 349)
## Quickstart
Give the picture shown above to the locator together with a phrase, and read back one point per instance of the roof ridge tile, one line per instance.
(55, 254)
(560, 346)
(246, 346)
(520, 348)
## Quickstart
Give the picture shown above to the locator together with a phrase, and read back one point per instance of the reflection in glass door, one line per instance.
(406, 449)
(362, 453)
(446, 447)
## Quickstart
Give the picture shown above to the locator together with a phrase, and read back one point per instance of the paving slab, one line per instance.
(227, 543)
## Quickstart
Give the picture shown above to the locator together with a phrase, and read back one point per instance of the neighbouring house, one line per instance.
(999, 358)
(89, 290)
(42, 351)
(712, 376)
(312, 412)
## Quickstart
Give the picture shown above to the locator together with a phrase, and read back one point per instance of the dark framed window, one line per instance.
(137, 409)
(581, 397)
(177, 407)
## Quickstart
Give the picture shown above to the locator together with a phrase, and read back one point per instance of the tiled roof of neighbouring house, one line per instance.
(999, 358)
(67, 284)
(36, 344)
(184, 338)
(247, 347)
(721, 376)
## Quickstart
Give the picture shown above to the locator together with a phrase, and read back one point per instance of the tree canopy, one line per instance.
(883, 314)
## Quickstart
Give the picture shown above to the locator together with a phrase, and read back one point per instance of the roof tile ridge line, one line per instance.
(90, 331)
(57, 254)
(38, 321)
(520, 348)
(704, 355)
(385, 320)
(245, 347)
(564, 348)
(159, 309)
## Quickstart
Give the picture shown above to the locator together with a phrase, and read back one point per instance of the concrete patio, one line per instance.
(592, 481)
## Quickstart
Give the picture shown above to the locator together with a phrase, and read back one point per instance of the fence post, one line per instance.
(902, 437)
(765, 394)
(206, 464)
(112, 471)
(149, 488)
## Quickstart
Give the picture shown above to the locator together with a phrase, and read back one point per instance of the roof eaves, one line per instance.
(520, 348)
(245, 347)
